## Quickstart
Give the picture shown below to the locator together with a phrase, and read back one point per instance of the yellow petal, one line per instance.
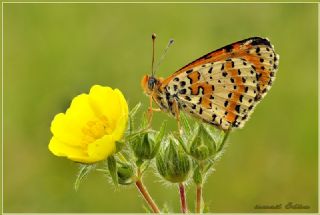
(60, 148)
(80, 111)
(123, 119)
(102, 148)
(120, 128)
(105, 103)
(123, 102)
(65, 130)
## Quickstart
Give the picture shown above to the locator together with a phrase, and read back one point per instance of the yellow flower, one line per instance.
(88, 130)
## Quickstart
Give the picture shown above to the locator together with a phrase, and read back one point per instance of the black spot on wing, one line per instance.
(241, 98)
(182, 83)
(237, 108)
(260, 41)
(183, 91)
(228, 48)
(214, 116)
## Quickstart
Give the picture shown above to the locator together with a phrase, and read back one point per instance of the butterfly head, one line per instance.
(149, 83)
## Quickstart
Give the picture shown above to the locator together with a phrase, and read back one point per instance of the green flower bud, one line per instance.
(146, 146)
(173, 163)
(202, 144)
(125, 173)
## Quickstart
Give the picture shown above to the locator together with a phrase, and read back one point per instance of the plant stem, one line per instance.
(146, 196)
(184, 207)
(199, 198)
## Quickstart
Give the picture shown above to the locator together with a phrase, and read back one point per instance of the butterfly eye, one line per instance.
(151, 83)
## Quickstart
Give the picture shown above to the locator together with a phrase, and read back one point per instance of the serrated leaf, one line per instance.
(83, 172)
(112, 166)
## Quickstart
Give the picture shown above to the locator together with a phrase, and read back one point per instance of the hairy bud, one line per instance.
(173, 163)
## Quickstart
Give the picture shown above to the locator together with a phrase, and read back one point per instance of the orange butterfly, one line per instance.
(222, 87)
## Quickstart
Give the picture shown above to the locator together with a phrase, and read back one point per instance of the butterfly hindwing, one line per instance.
(220, 93)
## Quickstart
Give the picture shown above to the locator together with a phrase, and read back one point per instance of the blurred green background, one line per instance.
(53, 52)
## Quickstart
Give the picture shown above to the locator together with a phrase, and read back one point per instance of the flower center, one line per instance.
(96, 129)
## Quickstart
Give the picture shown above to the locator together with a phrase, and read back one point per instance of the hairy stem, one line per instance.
(183, 201)
(144, 192)
(199, 198)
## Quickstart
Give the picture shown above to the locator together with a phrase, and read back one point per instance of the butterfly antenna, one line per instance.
(171, 41)
(154, 36)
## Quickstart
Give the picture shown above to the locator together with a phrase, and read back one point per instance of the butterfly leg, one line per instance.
(150, 111)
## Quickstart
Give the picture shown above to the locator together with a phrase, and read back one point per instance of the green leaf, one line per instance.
(159, 138)
(193, 136)
(225, 137)
(208, 165)
(132, 136)
(144, 121)
(197, 176)
(213, 133)
(144, 166)
(135, 109)
(112, 166)
(139, 162)
(119, 145)
(185, 124)
(84, 170)
(161, 132)
(183, 145)
(103, 171)
(132, 115)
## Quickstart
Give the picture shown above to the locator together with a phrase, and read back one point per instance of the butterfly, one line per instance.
(222, 87)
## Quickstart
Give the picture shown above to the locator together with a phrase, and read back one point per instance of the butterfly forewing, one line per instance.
(223, 87)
